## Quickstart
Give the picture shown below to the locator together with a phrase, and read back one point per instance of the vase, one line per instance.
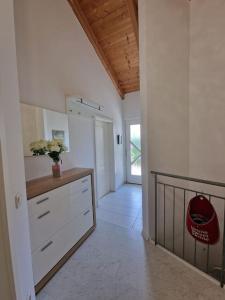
(56, 170)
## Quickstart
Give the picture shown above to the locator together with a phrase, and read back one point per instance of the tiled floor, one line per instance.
(115, 263)
(122, 208)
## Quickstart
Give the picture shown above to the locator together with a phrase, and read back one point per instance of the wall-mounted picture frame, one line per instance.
(58, 135)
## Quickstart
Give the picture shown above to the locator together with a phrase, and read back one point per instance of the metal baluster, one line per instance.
(156, 211)
(184, 218)
(173, 218)
(223, 255)
(195, 251)
(164, 215)
(207, 259)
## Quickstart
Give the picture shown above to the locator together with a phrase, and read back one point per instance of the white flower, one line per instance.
(39, 147)
(58, 141)
(54, 148)
(43, 147)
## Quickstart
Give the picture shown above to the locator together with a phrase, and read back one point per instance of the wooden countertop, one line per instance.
(45, 184)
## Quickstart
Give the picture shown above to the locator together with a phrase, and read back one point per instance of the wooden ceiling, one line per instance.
(112, 28)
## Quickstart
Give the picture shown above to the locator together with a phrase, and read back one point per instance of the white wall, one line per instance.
(12, 158)
(207, 91)
(56, 59)
(132, 106)
(164, 47)
(207, 102)
(182, 90)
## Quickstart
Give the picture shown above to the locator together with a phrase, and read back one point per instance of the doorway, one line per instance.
(133, 151)
(104, 157)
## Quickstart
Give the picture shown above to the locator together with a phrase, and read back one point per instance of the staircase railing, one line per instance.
(171, 202)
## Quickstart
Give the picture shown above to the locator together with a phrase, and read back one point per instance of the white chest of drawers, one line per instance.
(61, 215)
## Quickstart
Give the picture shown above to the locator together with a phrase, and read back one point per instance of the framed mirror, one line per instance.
(39, 123)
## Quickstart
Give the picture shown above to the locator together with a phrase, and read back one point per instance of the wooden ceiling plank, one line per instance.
(132, 7)
(130, 86)
(93, 39)
(131, 90)
(115, 28)
(120, 11)
(112, 38)
(133, 60)
(121, 52)
(97, 10)
(120, 43)
(131, 77)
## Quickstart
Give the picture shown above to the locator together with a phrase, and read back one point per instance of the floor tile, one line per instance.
(123, 207)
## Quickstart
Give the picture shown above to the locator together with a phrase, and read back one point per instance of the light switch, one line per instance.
(18, 200)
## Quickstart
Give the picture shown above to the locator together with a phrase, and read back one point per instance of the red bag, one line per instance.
(202, 222)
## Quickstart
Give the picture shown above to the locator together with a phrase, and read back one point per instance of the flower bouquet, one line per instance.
(39, 147)
(53, 149)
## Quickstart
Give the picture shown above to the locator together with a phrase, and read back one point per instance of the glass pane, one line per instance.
(135, 149)
(136, 167)
(134, 153)
(135, 135)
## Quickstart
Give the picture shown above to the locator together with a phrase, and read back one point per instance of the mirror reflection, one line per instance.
(42, 124)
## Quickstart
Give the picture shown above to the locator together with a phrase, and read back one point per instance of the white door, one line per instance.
(103, 157)
(133, 150)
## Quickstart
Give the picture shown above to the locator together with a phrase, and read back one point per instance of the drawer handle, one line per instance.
(84, 191)
(46, 246)
(86, 212)
(44, 214)
(84, 180)
(42, 200)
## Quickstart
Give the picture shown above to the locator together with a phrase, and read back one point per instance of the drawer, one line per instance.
(83, 223)
(46, 201)
(49, 254)
(80, 184)
(49, 221)
(79, 202)
(79, 226)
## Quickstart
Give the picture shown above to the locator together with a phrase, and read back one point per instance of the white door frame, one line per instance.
(112, 154)
(135, 179)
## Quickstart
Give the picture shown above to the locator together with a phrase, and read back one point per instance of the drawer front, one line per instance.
(80, 184)
(79, 226)
(49, 221)
(83, 223)
(79, 202)
(46, 201)
(47, 256)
